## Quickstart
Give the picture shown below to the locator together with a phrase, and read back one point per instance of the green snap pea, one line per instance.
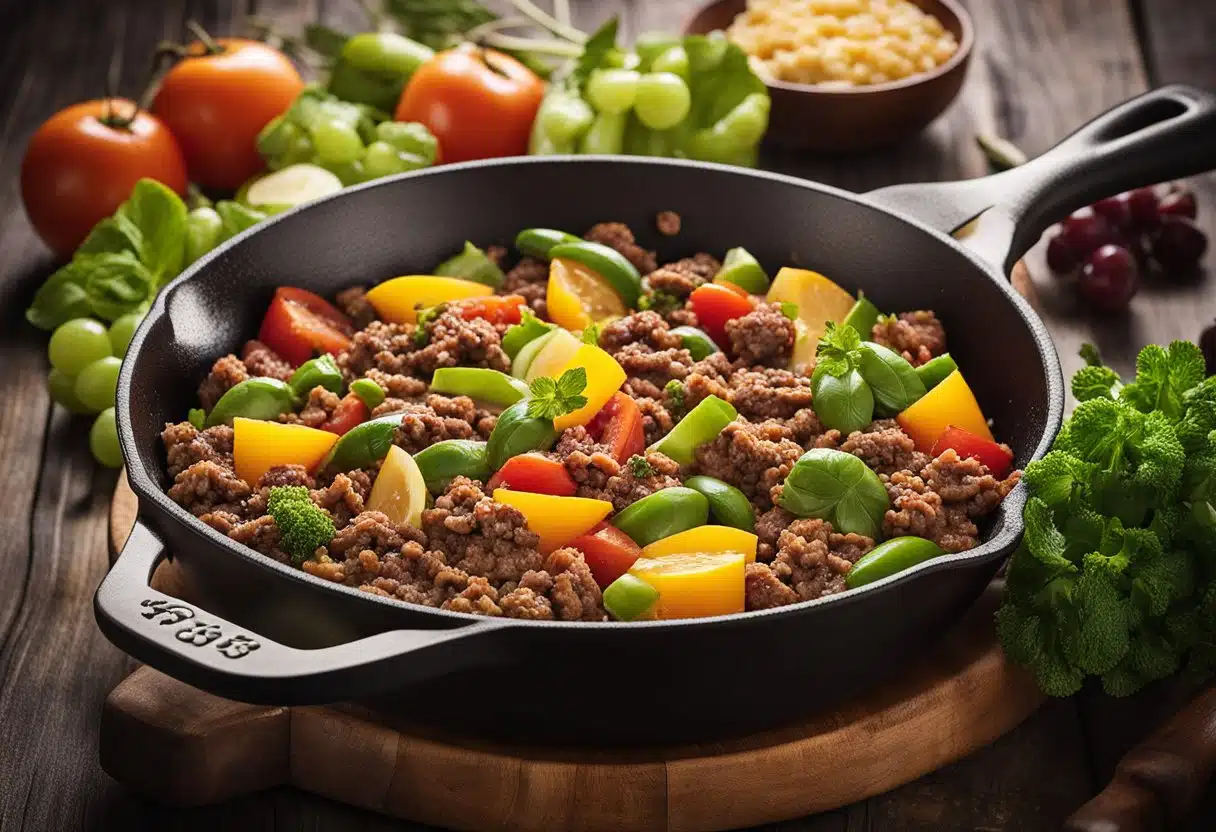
(862, 316)
(628, 598)
(698, 344)
(662, 514)
(320, 371)
(702, 424)
(934, 371)
(892, 380)
(444, 461)
(743, 270)
(536, 242)
(727, 504)
(370, 393)
(472, 264)
(608, 263)
(517, 433)
(886, 559)
(363, 444)
(844, 403)
(489, 386)
(255, 398)
(374, 67)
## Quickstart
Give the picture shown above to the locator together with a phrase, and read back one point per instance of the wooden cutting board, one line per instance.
(188, 748)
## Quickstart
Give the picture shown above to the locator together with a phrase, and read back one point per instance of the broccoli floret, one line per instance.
(1095, 383)
(1163, 376)
(1151, 656)
(1027, 639)
(1053, 478)
(303, 525)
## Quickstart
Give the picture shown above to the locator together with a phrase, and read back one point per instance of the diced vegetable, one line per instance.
(839, 488)
(702, 424)
(529, 329)
(399, 490)
(363, 444)
(558, 520)
(258, 446)
(698, 344)
(577, 297)
(819, 299)
(299, 324)
(535, 473)
(480, 383)
(604, 377)
(293, 185)
(804, 346)
(444, 461)
(254, 398)
(303, 526)
(348, 415)
(694, 585)
(715, 304)
(551, 356)
(606, 262)
(516, 433)
(398, 300)
(497, 309)
(705, 540)
(895, 555)
(862, 316)
(996, 458)
(741, 269)
(472, 264)
(619, 426)
(934, 371)
(662, 514)
(727, 504)
(536, 242)
(629, 598)
(609, 552)
(949, 403)
(320, 371)
(370, 393)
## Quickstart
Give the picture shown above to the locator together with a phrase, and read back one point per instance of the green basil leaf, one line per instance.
(117, 284)
(61, 298)
(160, 216)
(325, 40)
(892, 380)
(837, 487)
(595, 50)
(113, 235)
(237, 217)
(844, 403)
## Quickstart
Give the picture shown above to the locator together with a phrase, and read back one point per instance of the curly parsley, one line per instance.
(640, 468)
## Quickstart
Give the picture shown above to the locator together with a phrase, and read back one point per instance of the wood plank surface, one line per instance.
(1042, 66)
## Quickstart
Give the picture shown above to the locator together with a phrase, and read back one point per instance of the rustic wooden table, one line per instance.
(1040, 68)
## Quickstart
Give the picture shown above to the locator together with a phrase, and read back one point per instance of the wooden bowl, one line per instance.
(807, 117)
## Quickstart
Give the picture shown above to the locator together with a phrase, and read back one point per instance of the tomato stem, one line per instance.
(204, 37)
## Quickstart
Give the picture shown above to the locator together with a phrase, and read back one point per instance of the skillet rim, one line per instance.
(1007, 525)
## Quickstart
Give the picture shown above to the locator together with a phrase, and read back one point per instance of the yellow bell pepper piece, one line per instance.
(819, 299)
(555, 354)
(398, 300)
(694, 585)
(399, 490)
(578, 297)
(949, 403)
(705, 540)
(804, 346)
(258, 446)
(557, 520)
(604, 377)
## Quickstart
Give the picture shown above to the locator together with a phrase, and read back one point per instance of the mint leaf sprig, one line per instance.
(550, 399)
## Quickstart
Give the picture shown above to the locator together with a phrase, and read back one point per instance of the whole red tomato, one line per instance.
(82, 163)
(216, 103)
(479, 103)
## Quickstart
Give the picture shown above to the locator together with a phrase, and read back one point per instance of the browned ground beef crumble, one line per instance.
(475, 555)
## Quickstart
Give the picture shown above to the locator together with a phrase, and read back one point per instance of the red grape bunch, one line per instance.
(1109, 244)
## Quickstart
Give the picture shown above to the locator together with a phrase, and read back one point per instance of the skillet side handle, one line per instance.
(1166, 133)
(219, 657)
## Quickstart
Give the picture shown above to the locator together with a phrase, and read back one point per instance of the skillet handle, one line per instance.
(217, 656)
(1166, 133)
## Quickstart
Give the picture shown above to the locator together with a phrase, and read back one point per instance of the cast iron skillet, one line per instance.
(264, 632)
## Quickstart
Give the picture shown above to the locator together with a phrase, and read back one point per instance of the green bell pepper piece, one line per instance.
(444, 461)
(363, 444)
(743, 270)
(316, 371)
(472, 264)
(254, 398)
(523, 333)
(934, 371)
(701, 425)
(536, 242)
(662, 514)
(727, 504)
(698, 344)
(608, 263)
(628, 598)
(886, 559)
(862, 317)
(489, 386)
(370, 393)
(374, 67)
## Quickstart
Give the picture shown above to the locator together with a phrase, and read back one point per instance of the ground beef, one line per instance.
(678, 279)
(318, 409)
(657, 420)
(588, 462)
(625, 487)
(396, 386)
(884, 447)
(682, 316)
(455, 341)
(769, 393)
(752, 457)
(185, 445)
(918, 336)
(380, 346)
(530, 280)
(284, 475)
(343, 497)
(574, 596)
(480, 536)
(806, 430)
(943, 501)
(648, 371)
(524, 602)
(207, 486)
(262, 535)
(644, 328)
(763, 336)
(478, 598)
(262, 361)
(225, 374)
(769, 527)
(354, 303)
(618, 236)
(668, 223)
(371, 530)
(707, 377)
(441, 418)
(812, 561)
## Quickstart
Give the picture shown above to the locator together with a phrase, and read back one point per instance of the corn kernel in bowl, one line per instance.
(841, 43)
